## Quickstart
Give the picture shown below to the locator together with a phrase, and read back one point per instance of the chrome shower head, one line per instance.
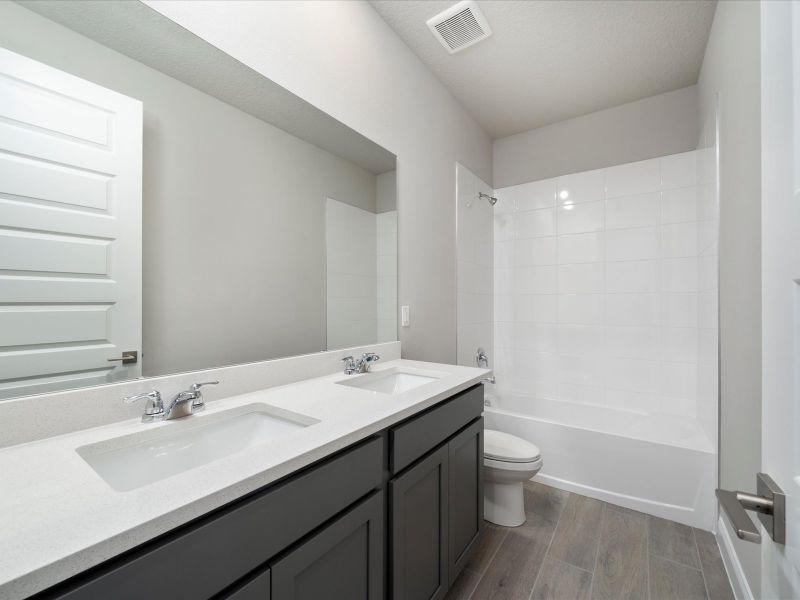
(492, 200)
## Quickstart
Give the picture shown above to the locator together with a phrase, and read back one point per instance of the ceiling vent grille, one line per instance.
(460, 26)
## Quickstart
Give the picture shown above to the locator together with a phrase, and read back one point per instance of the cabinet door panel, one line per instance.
(344, 560)
(465, 514)
(255, 588)
(419, 529)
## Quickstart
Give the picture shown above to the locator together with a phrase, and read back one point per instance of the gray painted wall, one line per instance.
(343, 58)
(234, 221)
(731, 69)
(656, 126)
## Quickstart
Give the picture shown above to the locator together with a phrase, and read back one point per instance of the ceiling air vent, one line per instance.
(460, 26)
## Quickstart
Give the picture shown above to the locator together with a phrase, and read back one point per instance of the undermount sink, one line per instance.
(129, 462)
(391, 381)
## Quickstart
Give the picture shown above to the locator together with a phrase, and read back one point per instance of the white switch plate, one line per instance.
(405, 320)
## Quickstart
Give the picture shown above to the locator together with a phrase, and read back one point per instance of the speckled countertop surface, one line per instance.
(58, 517)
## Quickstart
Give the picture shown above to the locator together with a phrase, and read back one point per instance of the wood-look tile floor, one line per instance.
(577, 548)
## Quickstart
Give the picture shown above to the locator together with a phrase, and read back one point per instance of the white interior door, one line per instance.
(780, 88)
(70, 229)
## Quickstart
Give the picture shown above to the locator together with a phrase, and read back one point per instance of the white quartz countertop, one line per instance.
(58, 517)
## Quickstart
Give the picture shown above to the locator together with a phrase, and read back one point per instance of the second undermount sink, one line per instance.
(391, 381)
(135, 460)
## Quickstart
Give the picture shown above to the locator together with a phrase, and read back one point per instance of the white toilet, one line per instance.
(509, 461)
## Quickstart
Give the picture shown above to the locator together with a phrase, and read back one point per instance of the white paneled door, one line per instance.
(70, 229)
(780, 260)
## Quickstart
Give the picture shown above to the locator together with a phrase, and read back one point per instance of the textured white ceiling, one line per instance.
(547, 61)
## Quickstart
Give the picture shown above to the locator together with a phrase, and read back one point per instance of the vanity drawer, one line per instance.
(420, 434)
(203, 558)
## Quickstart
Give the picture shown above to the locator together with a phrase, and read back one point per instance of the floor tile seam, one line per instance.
(482, 573)
(700, 561)
(547, 552)
(599, 543)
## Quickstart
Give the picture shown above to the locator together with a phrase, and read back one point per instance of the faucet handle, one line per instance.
(197, 400)
(154, 407)
(370, 357)
(154, 395)
(349, 365)
(196, 386)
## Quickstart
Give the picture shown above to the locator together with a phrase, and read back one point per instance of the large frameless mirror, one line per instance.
(165, 208)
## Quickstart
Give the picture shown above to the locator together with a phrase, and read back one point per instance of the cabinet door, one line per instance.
(419, 529)
(465, 509)
(344, 560)
(254, 588)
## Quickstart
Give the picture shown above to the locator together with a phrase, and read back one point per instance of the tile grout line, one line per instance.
(674, 562)
(549, 544)
(597, 551)
(700, 562)
(488, 562)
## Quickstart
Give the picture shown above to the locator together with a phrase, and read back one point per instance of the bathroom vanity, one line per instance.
(393, 513)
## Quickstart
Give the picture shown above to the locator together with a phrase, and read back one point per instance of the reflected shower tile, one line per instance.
(633, 342)
(679, 239)
(581, 309)
(632, 309)
(679, 170)
(679, 206)
(587, 278)
(632, 244)
(633, 178)
(632, 277)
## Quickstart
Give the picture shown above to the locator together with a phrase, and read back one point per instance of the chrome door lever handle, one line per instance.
(129, 357)
(769, 503)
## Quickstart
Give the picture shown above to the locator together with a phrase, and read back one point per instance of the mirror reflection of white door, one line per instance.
(780, 259)
(70, 229)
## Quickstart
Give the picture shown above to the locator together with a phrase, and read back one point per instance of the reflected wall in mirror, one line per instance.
(164, 208)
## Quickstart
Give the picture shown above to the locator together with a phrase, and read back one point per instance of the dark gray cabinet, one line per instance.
(465, 514)
(323, 532)
(418, 510)
(344, 560)
(436, 501)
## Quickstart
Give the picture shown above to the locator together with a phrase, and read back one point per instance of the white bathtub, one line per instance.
(660, 465)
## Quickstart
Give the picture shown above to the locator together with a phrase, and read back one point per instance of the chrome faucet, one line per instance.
(482, 361)
(360, 365)
(182, 404)
(187, 402)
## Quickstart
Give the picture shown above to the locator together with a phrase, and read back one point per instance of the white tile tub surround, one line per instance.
(33, 418)
(475, 240)
(352, 275)
(605, 287)
(387, 275)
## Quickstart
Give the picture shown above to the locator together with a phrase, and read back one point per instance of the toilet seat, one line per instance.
(502, 447)
(533, 465)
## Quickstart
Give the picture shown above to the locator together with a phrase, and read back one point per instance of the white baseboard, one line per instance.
(741, 589)
(680, 514)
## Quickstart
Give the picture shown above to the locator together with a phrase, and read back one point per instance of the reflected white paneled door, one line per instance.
(70, 229)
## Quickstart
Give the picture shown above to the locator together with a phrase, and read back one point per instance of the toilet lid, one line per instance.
(508, 448)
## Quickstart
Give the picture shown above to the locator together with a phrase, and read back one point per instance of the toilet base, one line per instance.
(504, 503)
